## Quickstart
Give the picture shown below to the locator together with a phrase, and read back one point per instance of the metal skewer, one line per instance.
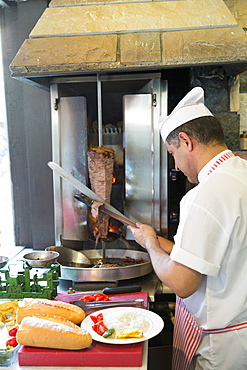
(100, 137)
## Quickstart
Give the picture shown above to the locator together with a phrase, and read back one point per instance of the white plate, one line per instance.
(156, 325)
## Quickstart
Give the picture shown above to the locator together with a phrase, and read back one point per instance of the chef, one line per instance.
(206, 266)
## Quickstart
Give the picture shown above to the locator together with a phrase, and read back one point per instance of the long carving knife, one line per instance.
(83, 188)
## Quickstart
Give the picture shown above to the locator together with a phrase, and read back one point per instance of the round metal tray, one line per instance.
(109, 273)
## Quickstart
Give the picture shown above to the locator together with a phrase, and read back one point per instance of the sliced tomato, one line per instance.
(97, 318)
(87, 298)
(100, 317)
(94, 318)
(99, 328)
(101, 297)
(95, 328)
(95, 297)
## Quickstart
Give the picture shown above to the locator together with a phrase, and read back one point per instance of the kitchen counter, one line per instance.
(143, 353)
(147, 282)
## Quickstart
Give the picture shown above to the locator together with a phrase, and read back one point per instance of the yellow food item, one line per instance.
(2, 316)
(8, 312)
(8, 307)
(11, 323)
(130, 333)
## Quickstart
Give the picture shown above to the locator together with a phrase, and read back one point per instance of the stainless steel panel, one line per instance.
(145, 158)
(156, 158)
(163, 166)
(69, 142)
(73, 121)
(138, 157)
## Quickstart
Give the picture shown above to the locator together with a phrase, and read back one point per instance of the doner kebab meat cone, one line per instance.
(100, 167)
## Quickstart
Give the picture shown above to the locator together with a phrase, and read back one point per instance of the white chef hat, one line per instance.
(190, 107)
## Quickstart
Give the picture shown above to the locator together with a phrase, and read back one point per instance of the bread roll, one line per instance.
(30, 307)
(36, 332)
(58, 319)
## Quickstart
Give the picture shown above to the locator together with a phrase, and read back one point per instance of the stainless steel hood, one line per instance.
(75, 37)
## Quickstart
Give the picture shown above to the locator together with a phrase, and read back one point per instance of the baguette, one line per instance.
(42, 332)
(30, 307)
(58, 319)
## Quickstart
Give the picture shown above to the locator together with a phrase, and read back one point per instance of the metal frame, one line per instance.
(157, 90)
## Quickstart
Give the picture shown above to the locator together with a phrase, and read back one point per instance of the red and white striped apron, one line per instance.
(187, 335)
(187, 332)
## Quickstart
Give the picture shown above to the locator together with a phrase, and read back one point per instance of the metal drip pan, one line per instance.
(81, 274)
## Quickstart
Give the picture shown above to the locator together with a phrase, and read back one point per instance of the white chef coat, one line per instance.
(212, 239)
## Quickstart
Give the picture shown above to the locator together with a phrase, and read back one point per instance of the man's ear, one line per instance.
(186, 139)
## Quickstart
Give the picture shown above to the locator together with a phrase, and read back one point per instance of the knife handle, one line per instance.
(122, 219)
(122, 290)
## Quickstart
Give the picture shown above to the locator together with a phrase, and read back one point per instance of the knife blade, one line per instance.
(89, 202)
(83, 188)
(108, 291)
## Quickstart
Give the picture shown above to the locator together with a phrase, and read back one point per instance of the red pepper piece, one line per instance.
(12, 332)
(11, 342)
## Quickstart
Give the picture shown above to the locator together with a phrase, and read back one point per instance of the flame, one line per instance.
(111, 229)
(114, 179)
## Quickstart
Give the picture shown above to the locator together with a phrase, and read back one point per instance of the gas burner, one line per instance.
(111, 237)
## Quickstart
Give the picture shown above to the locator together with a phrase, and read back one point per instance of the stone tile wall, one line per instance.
(238, 9)
(77, 36)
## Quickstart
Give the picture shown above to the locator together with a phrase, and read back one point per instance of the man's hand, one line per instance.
(143, 234)
(182, 280)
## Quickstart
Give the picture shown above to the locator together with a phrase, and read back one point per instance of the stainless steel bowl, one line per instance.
(3, 261)
(40, 258)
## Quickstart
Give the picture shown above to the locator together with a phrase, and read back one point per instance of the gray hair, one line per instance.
(205, 130)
